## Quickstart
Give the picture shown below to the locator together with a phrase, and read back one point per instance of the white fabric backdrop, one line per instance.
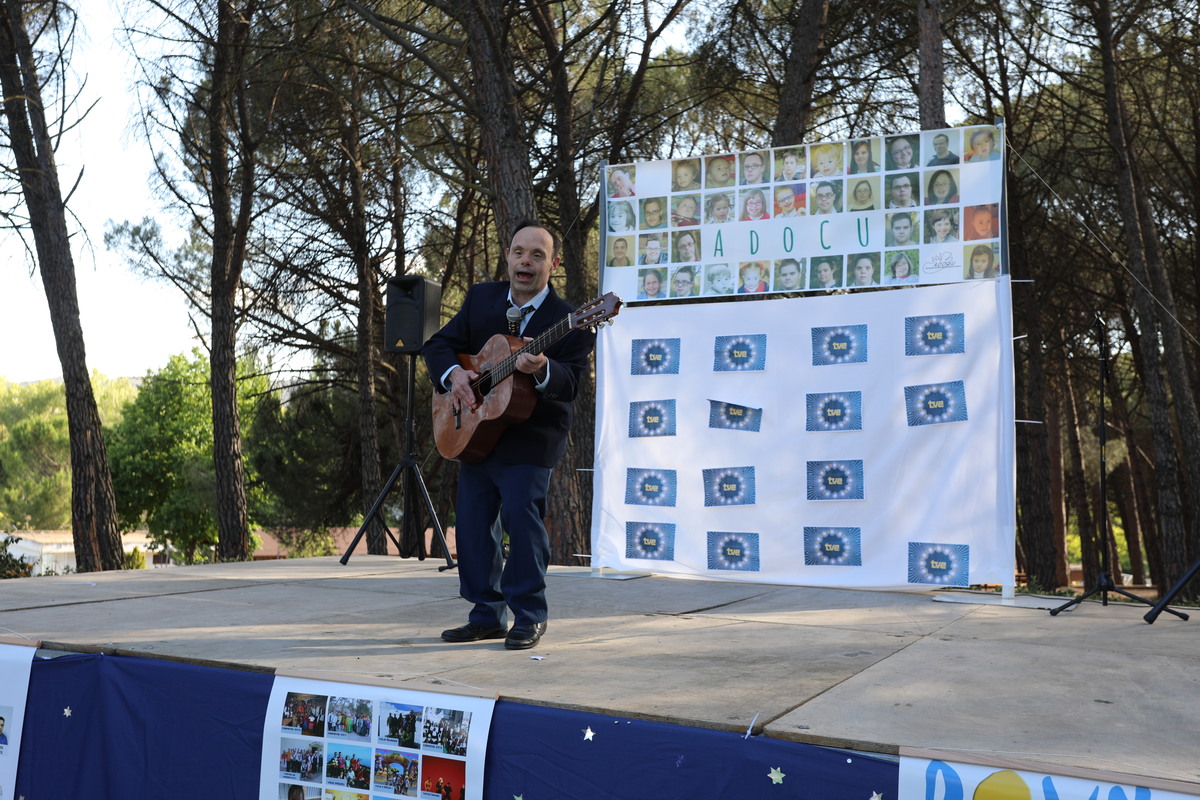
(950, 485)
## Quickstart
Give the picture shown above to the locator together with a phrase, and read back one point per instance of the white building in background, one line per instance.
(54, 551)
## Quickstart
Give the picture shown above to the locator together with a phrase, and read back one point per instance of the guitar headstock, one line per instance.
(595, 313)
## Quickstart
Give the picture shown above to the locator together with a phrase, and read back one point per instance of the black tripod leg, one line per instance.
(1162, 606)
(387, 487)
(437, 526)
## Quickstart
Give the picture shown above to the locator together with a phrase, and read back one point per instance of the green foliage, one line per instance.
(35, 450)
(13, 566)
(162, 456)
(135, 559)
(306, 455)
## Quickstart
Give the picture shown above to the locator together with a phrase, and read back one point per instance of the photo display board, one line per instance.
(855, 440)
(904, 209)
(343, 741)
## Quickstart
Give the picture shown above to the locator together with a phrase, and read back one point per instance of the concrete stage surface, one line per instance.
(1096, 687)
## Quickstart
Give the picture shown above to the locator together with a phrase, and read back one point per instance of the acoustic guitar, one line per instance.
(505, 396)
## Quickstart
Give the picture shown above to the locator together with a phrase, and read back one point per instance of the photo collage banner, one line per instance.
(16, 658)
(898, 210)
(343, 741)
(856, 440)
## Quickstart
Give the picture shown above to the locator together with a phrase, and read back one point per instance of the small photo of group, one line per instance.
(396, 774)
(301, 760)
(442, 778)
(399, 723)
(348, 765)
(446, 730)
(349, 718)
(304, 714)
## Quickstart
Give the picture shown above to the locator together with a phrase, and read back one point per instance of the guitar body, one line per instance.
(473, 435)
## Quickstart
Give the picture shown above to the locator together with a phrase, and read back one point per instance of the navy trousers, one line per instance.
(515, 496)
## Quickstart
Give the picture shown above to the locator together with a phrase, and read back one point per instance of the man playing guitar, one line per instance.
(511, 482)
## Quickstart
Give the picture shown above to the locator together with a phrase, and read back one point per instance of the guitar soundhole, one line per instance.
(484, 387)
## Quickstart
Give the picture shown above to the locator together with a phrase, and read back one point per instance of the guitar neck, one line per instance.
(548, 337)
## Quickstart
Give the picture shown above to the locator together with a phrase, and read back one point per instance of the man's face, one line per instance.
(531, 259)
(902, 153)
(653, 251)
(941, 145)
(682, 283)
(620, 248)
(753, 166)
(901, 229)
(825, 199)
(687, 247)
(789, 276)
(791, 165)
(864, 271)
(902, 190)
(653, 213)
(825, 272)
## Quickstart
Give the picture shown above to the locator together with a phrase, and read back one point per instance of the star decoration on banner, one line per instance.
(589, 734)
(876, 796)
(776, 775)
(518, 797)
(67, 711)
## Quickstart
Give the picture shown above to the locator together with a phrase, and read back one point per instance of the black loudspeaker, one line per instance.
(414, 305)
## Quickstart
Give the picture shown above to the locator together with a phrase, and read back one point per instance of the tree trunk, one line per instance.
(1078, 493)
(93, 509)
(1058, 492)
(504, 144)
(931, 92)
(799, 77)
(1174, 538)
(568, 511)
(228, 255)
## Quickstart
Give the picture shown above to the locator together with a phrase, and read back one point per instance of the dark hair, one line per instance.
(531, 222)
(653, 272)
(980, 249)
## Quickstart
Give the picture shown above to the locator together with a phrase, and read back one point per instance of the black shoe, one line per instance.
(473, 632)
(523, 637)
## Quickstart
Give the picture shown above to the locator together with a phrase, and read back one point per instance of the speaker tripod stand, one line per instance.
(1104, 582)
(412, 538)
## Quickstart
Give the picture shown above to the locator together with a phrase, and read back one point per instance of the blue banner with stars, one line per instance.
(546, 753)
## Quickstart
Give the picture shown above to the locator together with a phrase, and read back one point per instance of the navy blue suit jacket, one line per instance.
(542, 438)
